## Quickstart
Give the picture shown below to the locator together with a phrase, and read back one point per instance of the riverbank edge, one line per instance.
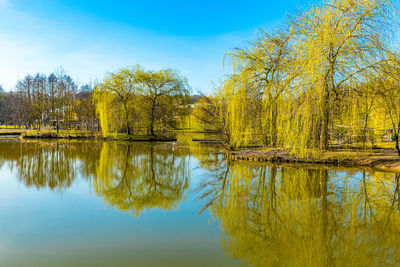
(380, 161)
(96, 137)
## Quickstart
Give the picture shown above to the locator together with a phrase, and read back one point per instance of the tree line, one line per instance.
(52, 101)
(327, 77)
(132, 100)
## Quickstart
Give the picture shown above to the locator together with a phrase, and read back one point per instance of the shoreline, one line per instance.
(381, 159)
(385, 159)
(47, 135)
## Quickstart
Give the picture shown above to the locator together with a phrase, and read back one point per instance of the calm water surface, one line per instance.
(177, 204)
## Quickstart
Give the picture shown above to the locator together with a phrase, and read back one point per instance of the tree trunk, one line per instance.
(325, 123)
(152, 127)
(365, 137)
(396, 139)
(58, 123)
(325, 112)
(128, 129)
(324, 137)
(152, 119)
(273, 124)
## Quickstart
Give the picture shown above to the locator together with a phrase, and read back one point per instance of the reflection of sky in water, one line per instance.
(48, 228)
(353, 182)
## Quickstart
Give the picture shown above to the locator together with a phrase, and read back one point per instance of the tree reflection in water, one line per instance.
(295, 216)
(131, 177)
(134, 178)
(43, 166)
(270, 215)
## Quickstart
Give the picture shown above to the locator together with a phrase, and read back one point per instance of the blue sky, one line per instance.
(90, 38)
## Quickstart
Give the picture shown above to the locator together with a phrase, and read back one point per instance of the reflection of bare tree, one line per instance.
(214, 189)
(281, 216)
(41, 164)
(50, 164)
(9, 152)
(134, 178)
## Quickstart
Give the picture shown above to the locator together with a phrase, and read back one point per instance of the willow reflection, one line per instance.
(280, 216)
(136, 177)
(130, 176)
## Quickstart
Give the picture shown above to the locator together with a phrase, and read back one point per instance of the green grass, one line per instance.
(88, 134)
(12, 130)
(72, 133)
(366, 146)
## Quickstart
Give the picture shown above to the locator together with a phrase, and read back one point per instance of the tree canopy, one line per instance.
(141, 100)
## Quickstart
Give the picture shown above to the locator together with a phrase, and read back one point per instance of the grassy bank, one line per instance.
(5, 131)
(84, 135)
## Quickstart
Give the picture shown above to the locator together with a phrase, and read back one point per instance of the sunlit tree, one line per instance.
(164, 94)
(118, 92)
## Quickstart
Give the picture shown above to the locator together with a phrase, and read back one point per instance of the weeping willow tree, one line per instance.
(135, 97)
(165, 95)
(262, 77)
(335, 44)
(306, 86)
(115, 100)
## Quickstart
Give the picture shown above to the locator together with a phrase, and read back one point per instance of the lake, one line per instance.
(181, 204)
